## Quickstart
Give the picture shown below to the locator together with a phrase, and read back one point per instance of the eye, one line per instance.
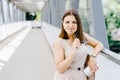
(67, 22)
(74, 22)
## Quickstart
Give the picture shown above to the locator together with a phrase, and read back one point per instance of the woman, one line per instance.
(70, 51)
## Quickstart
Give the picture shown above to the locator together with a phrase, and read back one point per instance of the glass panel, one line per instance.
(5, 11)
(15, 17)
(11, 12)
(1, 18)
(112, 19)
(84, 15)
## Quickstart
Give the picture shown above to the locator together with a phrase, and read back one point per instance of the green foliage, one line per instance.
(112, 22)
(112, 19)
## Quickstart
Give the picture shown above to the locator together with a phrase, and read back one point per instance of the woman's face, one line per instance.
(70, 24)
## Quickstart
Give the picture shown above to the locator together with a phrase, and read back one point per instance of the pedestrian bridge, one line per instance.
(27, 34)
(26, 54)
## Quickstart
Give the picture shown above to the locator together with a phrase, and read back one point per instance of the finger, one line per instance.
(91, 69)
(76, 46)
(95, 68)
(77, 40)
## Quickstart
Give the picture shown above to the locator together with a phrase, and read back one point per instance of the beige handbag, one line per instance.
(92, 77)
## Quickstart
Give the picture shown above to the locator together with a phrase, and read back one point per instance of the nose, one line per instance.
(71, 24)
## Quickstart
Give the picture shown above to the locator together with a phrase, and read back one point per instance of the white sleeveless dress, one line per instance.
(76, 70)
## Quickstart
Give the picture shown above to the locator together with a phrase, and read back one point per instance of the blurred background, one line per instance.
(32, 10)
(112, 20)
(29, 27)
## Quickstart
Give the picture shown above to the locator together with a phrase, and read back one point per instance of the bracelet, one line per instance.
(93, 56)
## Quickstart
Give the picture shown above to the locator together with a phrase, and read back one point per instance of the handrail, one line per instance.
(114, 57)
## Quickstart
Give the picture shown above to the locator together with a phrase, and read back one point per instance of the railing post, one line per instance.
(97, 22)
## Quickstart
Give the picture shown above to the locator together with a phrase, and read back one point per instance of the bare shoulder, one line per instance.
(58, 48)
(57, 42)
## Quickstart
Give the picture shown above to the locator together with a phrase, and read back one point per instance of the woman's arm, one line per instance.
(61, 63)
(98, 46)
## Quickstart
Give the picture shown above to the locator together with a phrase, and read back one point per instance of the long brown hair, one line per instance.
(79, 32)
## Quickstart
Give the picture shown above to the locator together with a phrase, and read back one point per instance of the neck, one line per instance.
(71, 37)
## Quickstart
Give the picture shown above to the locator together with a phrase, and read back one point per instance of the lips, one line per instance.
(71, 31)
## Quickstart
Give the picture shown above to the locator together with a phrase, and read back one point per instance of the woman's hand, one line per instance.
(92, 64)
(76, 43)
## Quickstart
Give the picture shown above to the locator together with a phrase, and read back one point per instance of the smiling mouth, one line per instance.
(71, 31)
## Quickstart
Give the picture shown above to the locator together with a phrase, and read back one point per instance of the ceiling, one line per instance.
(30, 5)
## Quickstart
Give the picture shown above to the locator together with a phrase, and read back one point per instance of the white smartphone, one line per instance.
(87, 71)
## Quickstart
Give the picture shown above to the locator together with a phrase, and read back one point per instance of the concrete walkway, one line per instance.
(32, 60)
